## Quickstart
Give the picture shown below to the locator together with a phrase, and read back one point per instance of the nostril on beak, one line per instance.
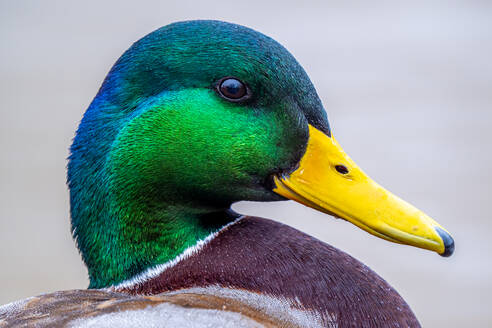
(447, 240)
(342, 169)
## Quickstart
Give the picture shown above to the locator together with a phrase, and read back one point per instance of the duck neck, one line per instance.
(127, 240)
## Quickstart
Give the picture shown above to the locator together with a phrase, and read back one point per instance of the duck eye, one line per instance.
(232, 89)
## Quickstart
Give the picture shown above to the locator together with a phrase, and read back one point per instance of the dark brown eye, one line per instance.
(232, 89)
(342, 169)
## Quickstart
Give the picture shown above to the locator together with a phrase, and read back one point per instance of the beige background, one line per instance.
(407, 87)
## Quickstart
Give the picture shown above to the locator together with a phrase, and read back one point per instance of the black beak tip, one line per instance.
(448, 242)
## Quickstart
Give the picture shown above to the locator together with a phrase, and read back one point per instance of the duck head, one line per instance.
(196, 116)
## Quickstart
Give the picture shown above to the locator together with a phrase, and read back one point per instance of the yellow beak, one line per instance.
(329, 181)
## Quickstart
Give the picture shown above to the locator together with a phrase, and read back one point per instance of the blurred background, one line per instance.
(408, 91)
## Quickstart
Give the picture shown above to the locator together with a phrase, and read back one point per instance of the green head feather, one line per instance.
(160, 156)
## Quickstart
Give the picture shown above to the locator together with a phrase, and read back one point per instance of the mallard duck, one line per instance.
(193, 117)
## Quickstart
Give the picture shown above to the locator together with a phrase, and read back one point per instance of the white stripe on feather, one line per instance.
(160, 268)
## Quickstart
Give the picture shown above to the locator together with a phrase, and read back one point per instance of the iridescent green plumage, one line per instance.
(159, 150)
